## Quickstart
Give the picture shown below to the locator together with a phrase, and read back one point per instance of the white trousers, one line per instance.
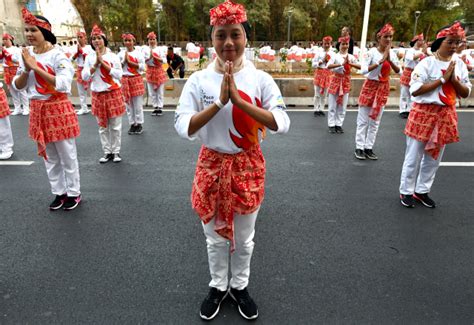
(62, 167)
(419, 168)
(218, 253)
(337, 112)
(6, 137)
(156, 95)
(405, 99)
(82, 92)
(319, 100)
(366, 128)
(135, 110)
(19, 98)
(111, 136)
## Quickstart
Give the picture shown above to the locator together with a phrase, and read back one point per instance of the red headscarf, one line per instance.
(151, 35)
(8, 36)
(81, 33)
(453, 30)
(386, 29)
(30, 19)
(128, 36)
(327, 39)
(228, 13)
(418, 37)
(96, 31)
(344, 39)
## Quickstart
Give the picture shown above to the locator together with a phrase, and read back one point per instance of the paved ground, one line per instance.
(333, 244)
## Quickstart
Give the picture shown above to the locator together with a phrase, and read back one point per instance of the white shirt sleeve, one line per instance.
(116, 68)
(272, 100)
(188, 106)
(419, 77)
(365, 63)
(21, 69)
(464, 75)
(64, 73)
(88, 64)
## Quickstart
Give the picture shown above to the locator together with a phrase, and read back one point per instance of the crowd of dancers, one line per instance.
(228, 106)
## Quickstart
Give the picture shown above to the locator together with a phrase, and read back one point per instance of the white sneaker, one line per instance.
(26, 112)
(4, 155)
(83, 111)
(117, 158)
(16, 112)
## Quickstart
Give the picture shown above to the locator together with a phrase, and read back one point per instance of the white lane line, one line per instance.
(16, 163)
(456, 164)
(310, 110)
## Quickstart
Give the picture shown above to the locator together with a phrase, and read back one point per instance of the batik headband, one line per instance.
(327, 39)
(419, 37)
(386, 29)
(96, 31)
(454, 30)
(81, 34)
(344, 39)
(8, 36)
(127, 36)
(151, 35)
(228, 13)
(30, 19)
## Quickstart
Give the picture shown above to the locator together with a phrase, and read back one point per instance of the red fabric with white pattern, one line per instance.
(9, 73)
(155, 75)
(386, 29)
(374, 94)
(228, 13)
(322, 78)
(132, 87)
(4, 108)
(30, 19)
(107, 104)
(454, 30)
(405, 78)
(225, 184)
(340, 85)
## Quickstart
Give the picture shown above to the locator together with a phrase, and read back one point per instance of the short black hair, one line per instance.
(245, 25)
(170, 48)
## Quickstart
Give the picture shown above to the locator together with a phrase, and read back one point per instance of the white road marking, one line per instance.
(16, 163)
(456, 164)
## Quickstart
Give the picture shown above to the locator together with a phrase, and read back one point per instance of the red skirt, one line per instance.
(374, 94)
(406, 77)
(434, 124)
(225, 184)
(107, 104)
(52, 120)
(4, 108)
(9, 73)
(340, 85)
(322, 78)
(155, 76)
(132, 86)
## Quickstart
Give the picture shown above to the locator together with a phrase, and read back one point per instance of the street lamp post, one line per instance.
(417, 15)
(290, 12)
(158, 10)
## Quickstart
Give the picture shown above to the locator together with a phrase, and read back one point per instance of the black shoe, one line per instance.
(107, 157)
(407, 200)
(211, 304)
(359, 154)
(132, 129)
(72, 202)
(160, 112)
(155, 111)
(316, 113)
(58, 202)
(404, 115)
(425, 200)
(116, 158)
(332, 129)
(247, 307)
(370, 154)
(322, 113)
(339, 129)
(139, 129)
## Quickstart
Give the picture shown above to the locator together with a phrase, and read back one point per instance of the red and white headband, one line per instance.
(30, 19)
(386, 30)
(454, 30)
(228, 13)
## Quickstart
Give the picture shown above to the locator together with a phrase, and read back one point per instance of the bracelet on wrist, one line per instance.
(219, 103)
(443, 81)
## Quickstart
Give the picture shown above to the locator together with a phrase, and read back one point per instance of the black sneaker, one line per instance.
(155, 111)
(58, 202)
(404, 115)
(211, 304)
(247, 307)
(370, 154)
(116, 158)
(107, 157)
(359, 154)
(339, 129)
(321, 113)
(407, 200)
(132, 129)
(425, 200)
(332, 129)
(160, 112)
(316, 113)
(139, 129)
(72, 202)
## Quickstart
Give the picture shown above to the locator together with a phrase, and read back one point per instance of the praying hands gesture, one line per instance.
(28, 59)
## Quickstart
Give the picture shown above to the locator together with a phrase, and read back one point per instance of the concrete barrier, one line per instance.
(297, 92)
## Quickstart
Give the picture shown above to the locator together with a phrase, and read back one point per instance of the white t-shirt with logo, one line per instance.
(103, 80)
(339, 58)
(137, 56)
(373, 56)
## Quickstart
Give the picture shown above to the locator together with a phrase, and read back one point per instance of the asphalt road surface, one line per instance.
(333, 243)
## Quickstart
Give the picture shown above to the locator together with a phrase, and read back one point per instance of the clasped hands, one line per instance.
(229, 90)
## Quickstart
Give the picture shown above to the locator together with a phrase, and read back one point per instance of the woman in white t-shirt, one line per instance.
(435, 84)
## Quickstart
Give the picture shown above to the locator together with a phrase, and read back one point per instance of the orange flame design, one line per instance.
(245, 125)
(107, 78)
(42, 86)
(129, 68)
(384, 71)
(447, 94)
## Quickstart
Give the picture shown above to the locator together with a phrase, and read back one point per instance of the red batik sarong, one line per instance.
(374, 94)
(107, 104)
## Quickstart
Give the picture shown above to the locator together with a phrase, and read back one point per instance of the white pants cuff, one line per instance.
(367, 128)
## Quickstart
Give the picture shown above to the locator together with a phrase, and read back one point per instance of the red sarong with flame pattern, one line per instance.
(155, 76)
(107, 104)
(225, 184)
(81, 81)
(322, 78)
(340, 85)
(434, 124)
(52, 120)
(4, 108)
(9, 73)
(374, 94)
(406, 77)
(132, 86)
